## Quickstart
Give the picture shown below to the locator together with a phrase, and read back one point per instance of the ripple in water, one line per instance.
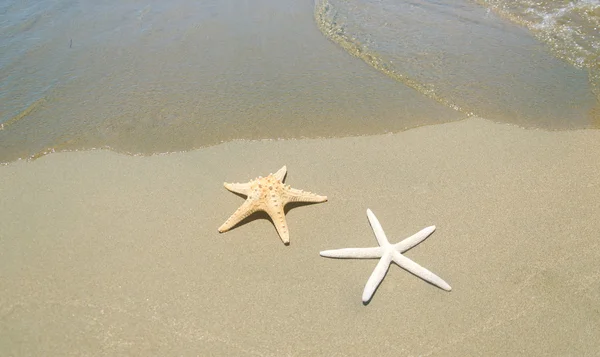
(467, 58)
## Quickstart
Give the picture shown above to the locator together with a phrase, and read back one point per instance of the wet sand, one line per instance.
(107, 254)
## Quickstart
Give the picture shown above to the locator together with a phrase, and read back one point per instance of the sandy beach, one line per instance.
(111, 255)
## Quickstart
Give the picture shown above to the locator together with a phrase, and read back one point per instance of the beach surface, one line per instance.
(114, 255)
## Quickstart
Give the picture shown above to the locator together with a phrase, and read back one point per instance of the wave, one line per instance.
(329, 23)
(35, 105)
(463, 56)
(570, 29)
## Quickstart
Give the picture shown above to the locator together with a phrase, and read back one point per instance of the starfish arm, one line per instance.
(379, 233)
(246, 209)
(275, 211)
(414, 239)
(241, 188)
(419, 271)
(295, 195)
(358, 253)
(376, 277)
(280, 174)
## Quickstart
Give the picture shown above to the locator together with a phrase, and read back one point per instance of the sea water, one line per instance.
(154, 76)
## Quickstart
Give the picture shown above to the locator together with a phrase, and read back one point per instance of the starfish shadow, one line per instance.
(263, 215)
(252, 217)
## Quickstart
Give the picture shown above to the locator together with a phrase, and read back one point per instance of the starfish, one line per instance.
(388, 253)
(268, 194)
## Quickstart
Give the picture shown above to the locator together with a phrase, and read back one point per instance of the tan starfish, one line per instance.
(268, 194)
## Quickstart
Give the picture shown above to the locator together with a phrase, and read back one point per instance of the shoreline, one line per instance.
(111, 254)
(50, 151)
(143, 78)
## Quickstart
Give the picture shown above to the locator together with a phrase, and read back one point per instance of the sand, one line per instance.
(111, 255)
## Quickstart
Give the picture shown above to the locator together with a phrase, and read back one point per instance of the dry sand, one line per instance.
(106, 254)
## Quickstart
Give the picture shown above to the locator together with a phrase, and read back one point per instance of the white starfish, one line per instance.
(388, 253)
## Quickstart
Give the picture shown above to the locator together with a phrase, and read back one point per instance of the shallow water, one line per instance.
(570, 28)
(465, 57)
(149, 76)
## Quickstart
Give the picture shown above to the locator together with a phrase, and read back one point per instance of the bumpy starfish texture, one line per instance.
(388, 253)
(268, 194)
